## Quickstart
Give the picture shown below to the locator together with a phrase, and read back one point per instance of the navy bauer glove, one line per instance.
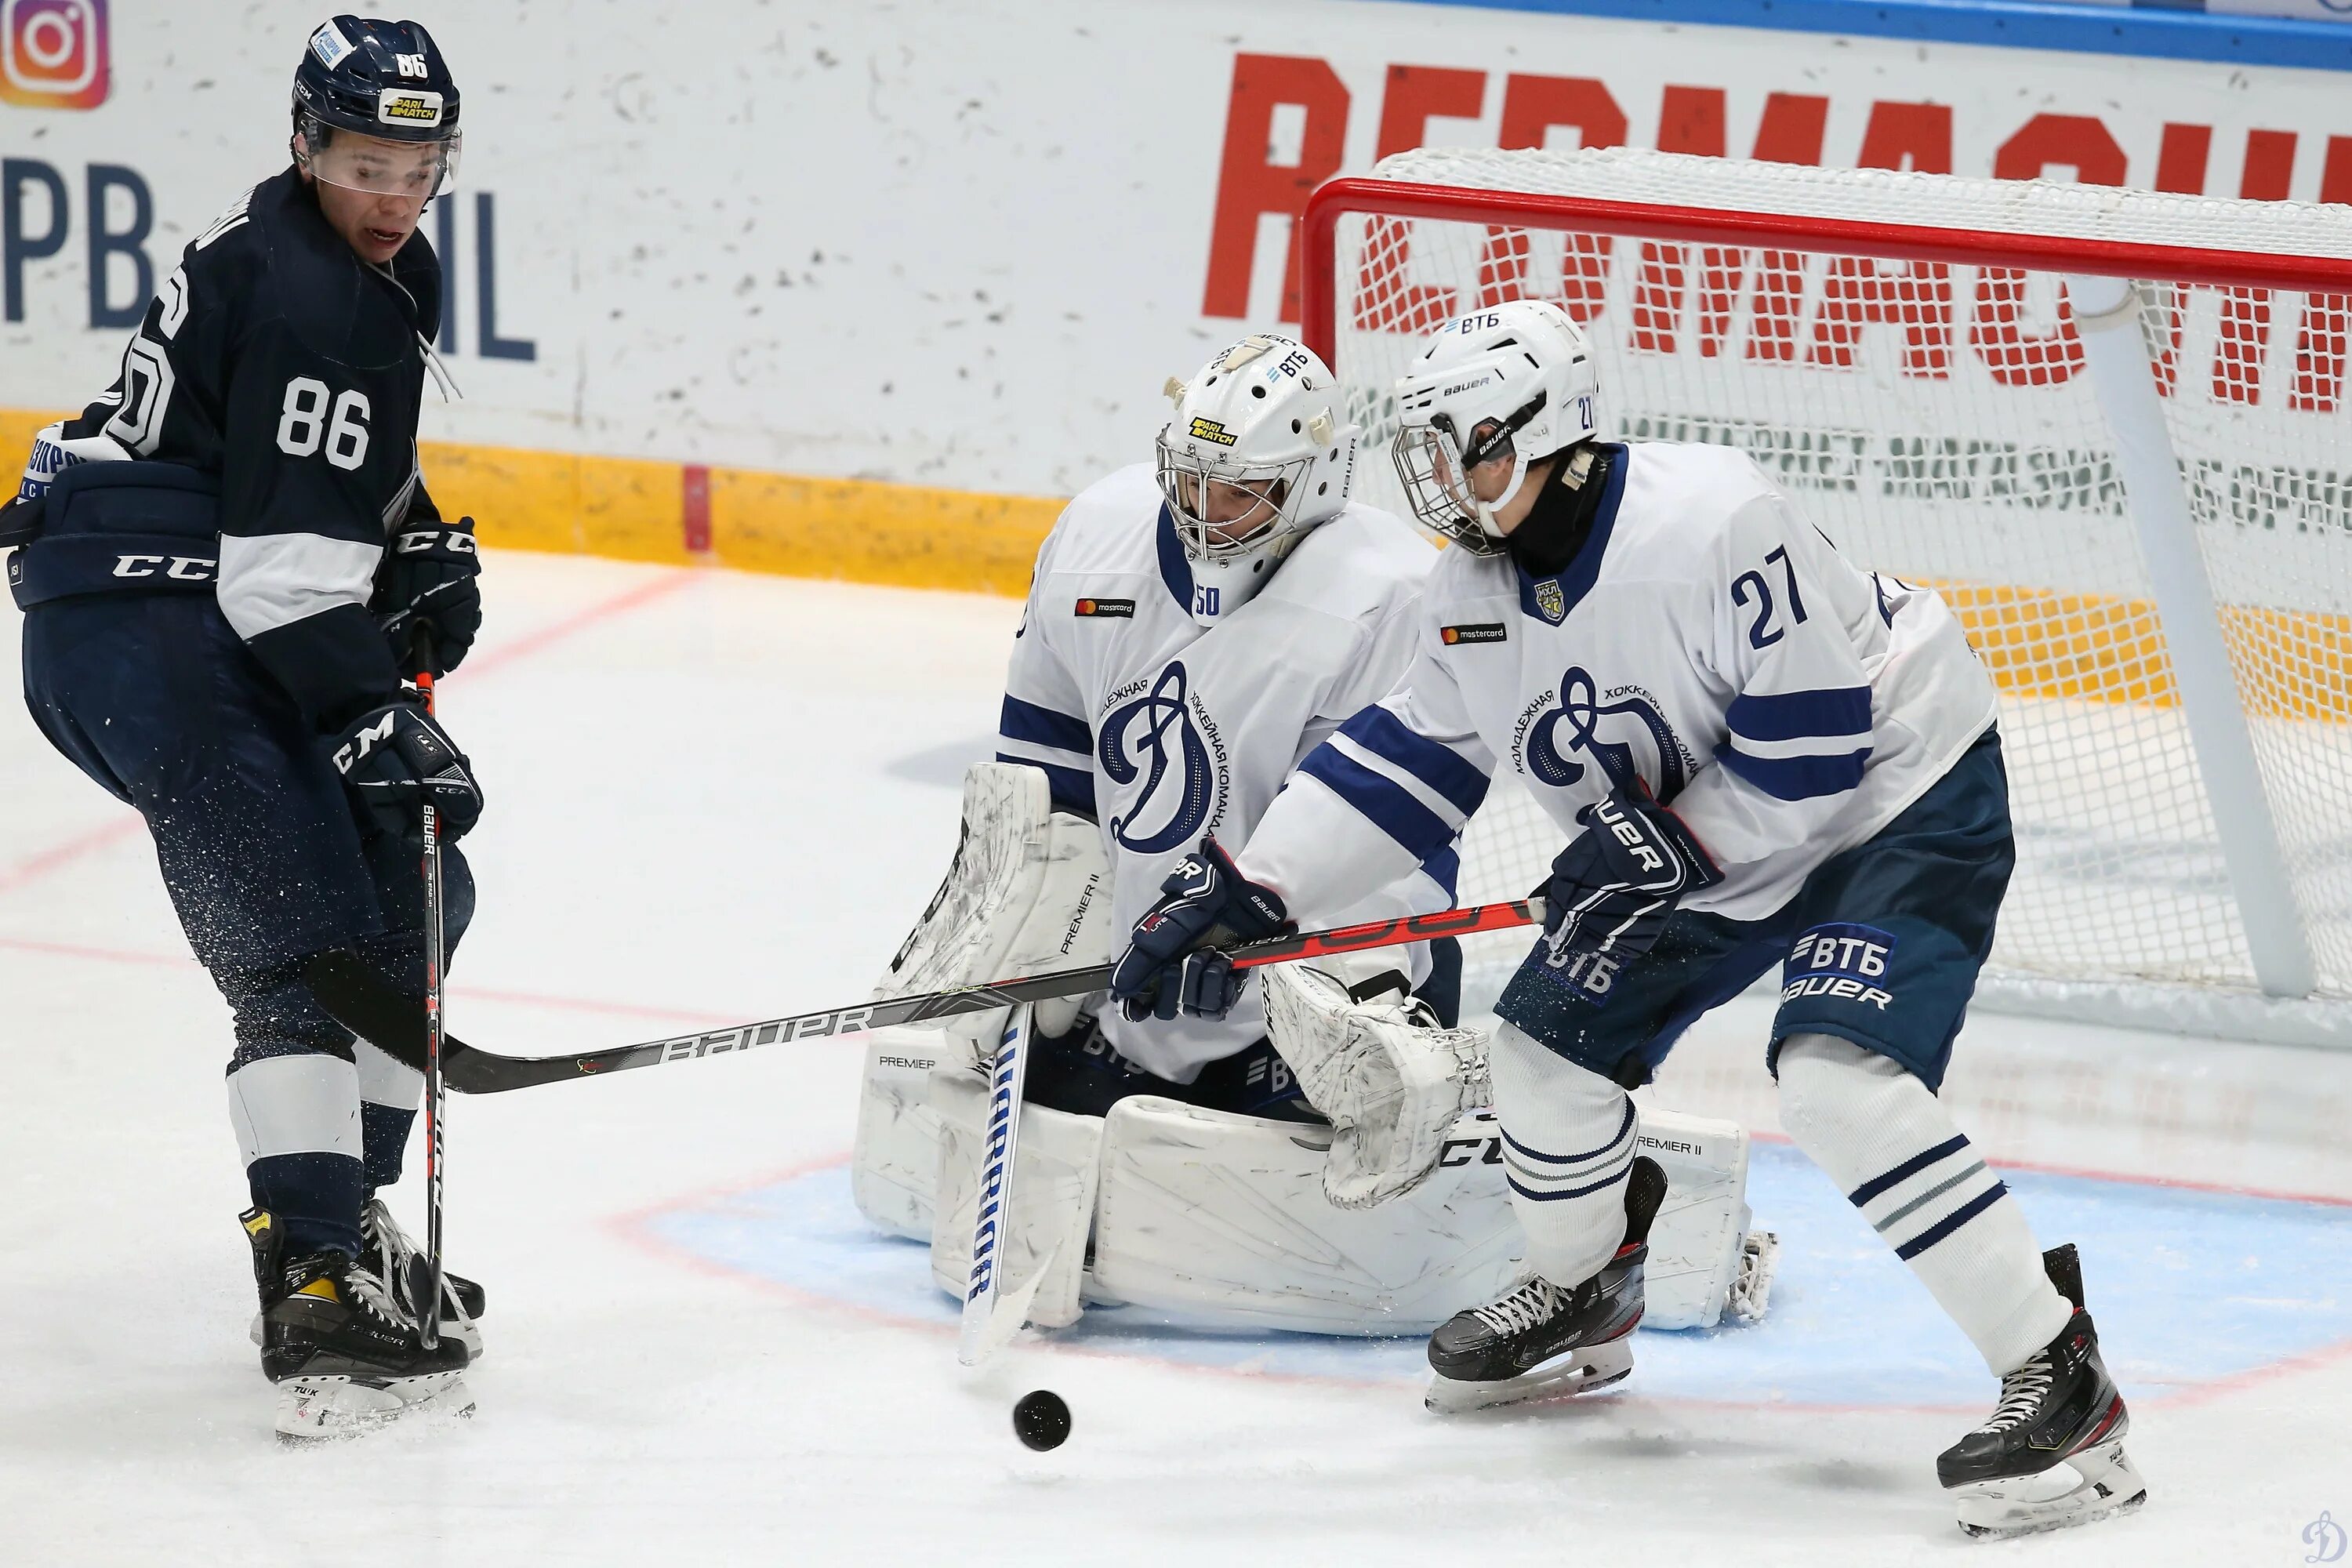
(1611, 890)
(1172, 964)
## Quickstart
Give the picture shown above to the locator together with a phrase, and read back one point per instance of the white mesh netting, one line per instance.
(1932, 417)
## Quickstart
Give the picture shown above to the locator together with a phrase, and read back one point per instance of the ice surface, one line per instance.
(714, 797)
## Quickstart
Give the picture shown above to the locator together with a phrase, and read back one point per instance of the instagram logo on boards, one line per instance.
(53, 53)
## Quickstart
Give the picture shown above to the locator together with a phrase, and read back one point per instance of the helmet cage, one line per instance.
(1434, 466)
(1185, 476)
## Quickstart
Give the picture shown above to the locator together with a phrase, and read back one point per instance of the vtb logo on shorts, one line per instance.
(1847, 962)
(54, 53)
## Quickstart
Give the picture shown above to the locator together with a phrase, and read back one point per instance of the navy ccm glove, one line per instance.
(396, 758)
(1611, 890)
(1172, 964)
(430, 581)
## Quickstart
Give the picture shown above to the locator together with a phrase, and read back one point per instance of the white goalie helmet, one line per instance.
(1254, 458)
(1515, 382)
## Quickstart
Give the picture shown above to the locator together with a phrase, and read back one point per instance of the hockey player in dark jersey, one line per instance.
(229, 564)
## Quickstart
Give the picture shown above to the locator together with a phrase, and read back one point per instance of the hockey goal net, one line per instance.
(2111, 426)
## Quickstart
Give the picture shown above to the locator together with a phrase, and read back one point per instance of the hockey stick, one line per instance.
(364, 1002)
(436, 1099)
(984, 1327)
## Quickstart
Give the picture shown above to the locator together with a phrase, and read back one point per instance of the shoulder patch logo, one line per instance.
(1120, 609)
(1551, 601)
(1210, 431)
(1480, 631)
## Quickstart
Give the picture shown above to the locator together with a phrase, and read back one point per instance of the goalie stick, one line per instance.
(363, 1001)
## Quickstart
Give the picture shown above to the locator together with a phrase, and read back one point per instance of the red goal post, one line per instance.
(2141, 509)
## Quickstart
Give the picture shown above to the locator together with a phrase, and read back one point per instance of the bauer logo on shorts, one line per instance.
(1481, 631)
(1210, 431)
(1845, 962)
(1117, 609)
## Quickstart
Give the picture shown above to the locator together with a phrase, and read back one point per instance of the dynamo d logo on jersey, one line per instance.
(1160, 744)
(54, 54)
(1631, 717)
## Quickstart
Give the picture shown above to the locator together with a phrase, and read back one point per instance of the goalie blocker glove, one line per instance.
(1172, 964)
(429, 582)
(398, 757)
(1611, 890)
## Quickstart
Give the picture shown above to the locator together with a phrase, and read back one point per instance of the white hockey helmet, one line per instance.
(1515, 382)
(1255, 456)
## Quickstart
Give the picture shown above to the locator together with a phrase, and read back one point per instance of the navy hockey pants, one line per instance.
(156, 698)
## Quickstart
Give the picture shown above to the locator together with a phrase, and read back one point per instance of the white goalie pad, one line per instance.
(1221, 1220)
(893, 1165)
(1029, 891)
(1054, 1163)
(1373, 1058)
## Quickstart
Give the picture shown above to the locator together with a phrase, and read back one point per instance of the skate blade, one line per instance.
(1751, 1292)
(1576, 1372)
(322, 1409)
(2096, 1484)
(465, 1331)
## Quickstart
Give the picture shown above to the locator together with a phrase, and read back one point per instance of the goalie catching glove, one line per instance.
(1611, 890)
(1172, 963)
(1373, 1058)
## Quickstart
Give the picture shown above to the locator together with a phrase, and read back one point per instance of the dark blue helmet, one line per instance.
(385, 80)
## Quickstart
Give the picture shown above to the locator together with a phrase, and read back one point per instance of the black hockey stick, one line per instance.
(436, 1097)
(364, 1002)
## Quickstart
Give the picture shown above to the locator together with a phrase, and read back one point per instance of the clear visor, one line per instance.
(1439, 482)
(1223, 511)
(418, 170)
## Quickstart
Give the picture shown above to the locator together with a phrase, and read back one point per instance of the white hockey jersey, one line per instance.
(1705, 639)
(1164, 731)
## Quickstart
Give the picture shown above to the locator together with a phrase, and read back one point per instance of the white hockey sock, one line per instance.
(1890, 1144)
(1567, 1142)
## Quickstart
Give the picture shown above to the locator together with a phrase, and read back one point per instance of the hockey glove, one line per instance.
(395, 760)
(1172, 964)
(429, 579)
(1613, 889)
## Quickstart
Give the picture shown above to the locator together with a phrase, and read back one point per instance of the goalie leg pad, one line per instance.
(1221, 1221)
(1029, 891)
(893, 1165)
(1056, 1160)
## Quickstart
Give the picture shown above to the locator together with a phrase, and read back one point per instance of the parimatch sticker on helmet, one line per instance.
(1479, 631)
(1210, 431)
(404, 106)
(1122, 609)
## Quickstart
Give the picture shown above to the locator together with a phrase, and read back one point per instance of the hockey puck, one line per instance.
(1041, 1420)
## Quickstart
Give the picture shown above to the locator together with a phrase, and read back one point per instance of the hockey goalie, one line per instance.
(1319, 1157)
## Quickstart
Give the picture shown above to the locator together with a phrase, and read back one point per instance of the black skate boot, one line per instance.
(1542, 1338)
(344, 1355)
(394, 1258)
(2052, 1454)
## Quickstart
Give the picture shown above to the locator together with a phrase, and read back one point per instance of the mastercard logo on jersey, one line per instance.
(1123, 609)
(1481, 631)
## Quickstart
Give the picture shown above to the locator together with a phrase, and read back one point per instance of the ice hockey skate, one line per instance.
(1544, 1340)
(394, 1258)
(2052, 1455)
(345, 1355)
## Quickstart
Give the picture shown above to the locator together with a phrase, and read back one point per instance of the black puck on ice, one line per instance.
(1041, 1420)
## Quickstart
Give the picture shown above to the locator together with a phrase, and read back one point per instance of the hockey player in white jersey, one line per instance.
(1193, 628)
(1759, 754)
